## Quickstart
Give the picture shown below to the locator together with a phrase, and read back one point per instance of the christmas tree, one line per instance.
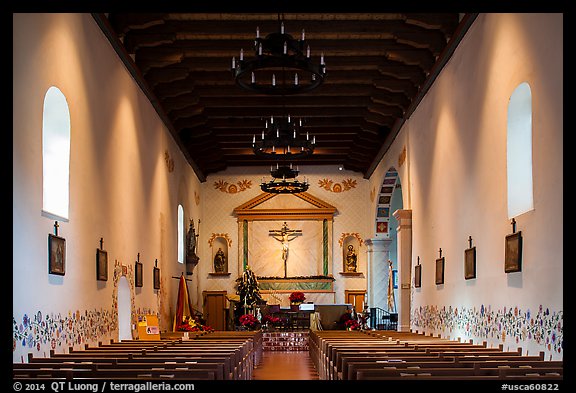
(248, 290)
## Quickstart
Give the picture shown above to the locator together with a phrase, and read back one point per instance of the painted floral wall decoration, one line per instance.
(169, 161)
(330, 185)
(240, 186)
(41, 330)
(542, 326)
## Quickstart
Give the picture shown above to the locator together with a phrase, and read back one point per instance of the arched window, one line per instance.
(56, 154)
(181, 234)
(519, 151)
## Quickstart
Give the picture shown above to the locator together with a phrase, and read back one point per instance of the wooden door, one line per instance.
(355, 297)
(215, 309)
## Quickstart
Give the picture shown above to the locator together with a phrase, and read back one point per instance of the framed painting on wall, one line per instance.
(138, 274)
(417, 276)
(56, 255)
(513, 253)
(156, 278)
(440, 271)
(470, 263)
(101, 265)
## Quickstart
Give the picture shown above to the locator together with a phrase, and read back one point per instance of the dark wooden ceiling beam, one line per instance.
(269, 111)
(288, 102)
(378, 65)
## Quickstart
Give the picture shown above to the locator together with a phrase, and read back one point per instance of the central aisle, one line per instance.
(285, 365)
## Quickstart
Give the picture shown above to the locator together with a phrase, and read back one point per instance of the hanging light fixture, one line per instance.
(282, 138)
(284, 181)
(282, 65)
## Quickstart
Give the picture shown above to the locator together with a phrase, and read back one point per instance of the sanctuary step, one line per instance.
(285, 341)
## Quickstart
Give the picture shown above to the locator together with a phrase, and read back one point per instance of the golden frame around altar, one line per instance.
(277, 209)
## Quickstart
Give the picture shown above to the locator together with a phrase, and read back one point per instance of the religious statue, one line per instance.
(191, 241)
(285, 235)
(351, 259)
(219, 261)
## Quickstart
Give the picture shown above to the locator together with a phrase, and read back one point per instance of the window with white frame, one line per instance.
(519, 151)
(56, 154)
(180, 234)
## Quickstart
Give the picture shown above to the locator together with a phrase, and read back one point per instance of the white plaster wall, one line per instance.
(121, 188)
(454, 180)
(353, 216)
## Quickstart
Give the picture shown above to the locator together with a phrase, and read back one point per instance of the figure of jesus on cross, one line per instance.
(284, 236)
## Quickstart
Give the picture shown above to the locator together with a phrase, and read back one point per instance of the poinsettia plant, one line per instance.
(249, 321)
(275, 321)
(297, 297)
(352, 324)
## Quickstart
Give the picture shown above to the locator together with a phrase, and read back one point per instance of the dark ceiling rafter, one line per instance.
(379, 66)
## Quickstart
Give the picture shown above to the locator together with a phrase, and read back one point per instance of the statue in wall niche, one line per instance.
(351, 259)
(220, 261)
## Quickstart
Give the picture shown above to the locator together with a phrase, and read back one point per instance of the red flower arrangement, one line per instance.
(297, 297)
(271, 319)
(249, 321)
(352, 324)
(190, 324)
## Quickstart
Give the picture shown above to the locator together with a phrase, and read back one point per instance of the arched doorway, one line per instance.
(383, 247)
(124, 309)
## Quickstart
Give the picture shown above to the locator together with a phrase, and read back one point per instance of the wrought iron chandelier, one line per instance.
(284, 181)
(281, 65)
(283, 139)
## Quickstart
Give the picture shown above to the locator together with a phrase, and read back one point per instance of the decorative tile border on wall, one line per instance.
(62, 331)
(44, 331)
(543, 327)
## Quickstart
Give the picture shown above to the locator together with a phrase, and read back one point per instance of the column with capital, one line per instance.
(404, 258)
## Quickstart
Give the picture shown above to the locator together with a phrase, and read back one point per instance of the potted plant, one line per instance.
(296, 298)
(249, 321)
(352, 324)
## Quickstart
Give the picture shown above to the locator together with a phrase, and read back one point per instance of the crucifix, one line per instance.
(285, 235)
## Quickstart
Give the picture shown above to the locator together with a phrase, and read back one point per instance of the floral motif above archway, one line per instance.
(347, 234)
(222, 235)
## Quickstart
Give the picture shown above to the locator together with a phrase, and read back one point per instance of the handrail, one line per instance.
(381, 319)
